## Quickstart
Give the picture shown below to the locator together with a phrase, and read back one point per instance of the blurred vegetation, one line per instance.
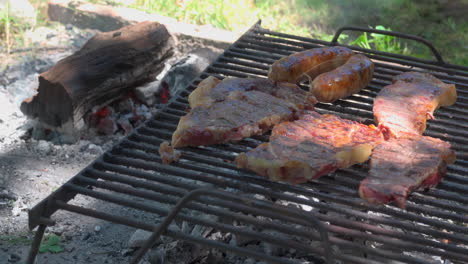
(442, 22)
(13, 29)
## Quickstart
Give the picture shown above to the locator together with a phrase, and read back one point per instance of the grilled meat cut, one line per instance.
(168, 154)
(212, 90)
(238, 111)
(448, 92)
(343, 81)
(308, 64)
(310, 147)
(402, 108)
(400, 166)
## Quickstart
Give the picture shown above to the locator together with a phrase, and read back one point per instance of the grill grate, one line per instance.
(434, 225)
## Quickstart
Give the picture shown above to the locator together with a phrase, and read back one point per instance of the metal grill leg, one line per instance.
(36, 243)
(167, 221)
(203, 191)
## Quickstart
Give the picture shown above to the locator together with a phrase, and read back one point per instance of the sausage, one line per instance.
(343, 81)
(308, 64)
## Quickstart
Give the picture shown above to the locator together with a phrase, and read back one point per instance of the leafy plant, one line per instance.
(381, 42)
(51, 244)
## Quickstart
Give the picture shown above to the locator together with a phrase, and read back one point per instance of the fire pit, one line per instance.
(314, 222)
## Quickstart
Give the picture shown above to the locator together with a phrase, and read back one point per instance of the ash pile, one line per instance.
(99, 95)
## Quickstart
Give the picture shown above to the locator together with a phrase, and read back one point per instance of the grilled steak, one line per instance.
(343, 81)
(310, 147)
(402, 108)
(232, 113)
(448, 92)
(212, 90)
(400, 166)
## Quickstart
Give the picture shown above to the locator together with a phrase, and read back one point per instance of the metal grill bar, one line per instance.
(166, 189)
(133, 169)
(175, 234)
(176, 171)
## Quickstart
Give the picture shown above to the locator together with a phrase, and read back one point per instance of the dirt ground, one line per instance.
(30, 170)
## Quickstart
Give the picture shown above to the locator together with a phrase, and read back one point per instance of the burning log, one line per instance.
(106, 68)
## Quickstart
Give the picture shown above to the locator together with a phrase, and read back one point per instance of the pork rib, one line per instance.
(402, 108)
(310, 147)
(400, 166)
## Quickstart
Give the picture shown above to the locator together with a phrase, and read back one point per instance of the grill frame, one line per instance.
(250, 56)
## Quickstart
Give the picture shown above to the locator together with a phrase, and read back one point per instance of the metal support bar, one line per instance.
(36, 243)
(220, 194)
(391, 33)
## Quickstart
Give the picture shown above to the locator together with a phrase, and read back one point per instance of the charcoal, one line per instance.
(240, 240)
(107, 126)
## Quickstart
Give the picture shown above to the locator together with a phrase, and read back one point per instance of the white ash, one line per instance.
(184, 71)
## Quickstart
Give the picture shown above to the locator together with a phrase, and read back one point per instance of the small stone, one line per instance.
(124, 123)
(97, 228)
(67, 236)
(147, 93)
(86, 236)
(13, 258)
(69, 249)
(44, 147)
(138, 238)
(94, 149)
(58, 230)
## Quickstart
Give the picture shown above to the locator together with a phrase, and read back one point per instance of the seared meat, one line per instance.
(343, 81)
(241, 114)
(310, 147)
(168, 154)
(212, 90)
(448, 92)
(402, 108)
(400, 166)
(308, 64)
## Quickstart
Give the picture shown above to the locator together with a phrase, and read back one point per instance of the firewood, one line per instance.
(107, 67)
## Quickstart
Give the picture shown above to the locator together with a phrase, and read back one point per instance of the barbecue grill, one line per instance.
(322, 221)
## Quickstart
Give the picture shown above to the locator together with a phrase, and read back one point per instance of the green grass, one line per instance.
(15, 240)
(430, 19)
(441, 22)
(382, 42)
